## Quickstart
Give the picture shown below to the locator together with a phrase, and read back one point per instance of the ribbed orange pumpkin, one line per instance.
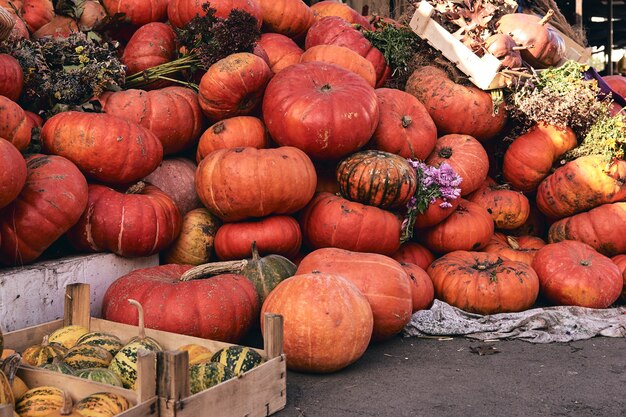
(435, 213)
(376, 178)
(234, 132)
(456, 108)
(327, 321)
(483, 283)
(138, 12)
(520, 248)
(470, 227)
(104, 147)
(405, 127)
(528, 160)
(422, 289)
(332, 221)
(11, 77)
(37, 13)
(342, 57)
(620, 261)
(173, 114)
(279, 235)
(180, 12)
(14, 125)
(291, 18)
(281, 51)
(134, 224)
(581, 185)
(53, 199)
(12, 172)
(414, 253)
(239, 183)
(510, 209)
(347, 13)
(466, 156)
(233, 86)
(381, 279)
(573, 273)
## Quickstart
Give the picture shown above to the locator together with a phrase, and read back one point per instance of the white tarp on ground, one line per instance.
(539, 325)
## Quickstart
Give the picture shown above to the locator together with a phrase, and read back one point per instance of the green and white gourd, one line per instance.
(107, 341)
(206, 375)
(86, 356)
(103, 375)
(238, 359)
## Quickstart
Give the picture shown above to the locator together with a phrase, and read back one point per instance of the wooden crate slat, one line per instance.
(19, 340)
(77, 305)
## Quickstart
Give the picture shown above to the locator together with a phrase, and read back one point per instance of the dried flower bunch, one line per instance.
(606, 137)
(432, 183)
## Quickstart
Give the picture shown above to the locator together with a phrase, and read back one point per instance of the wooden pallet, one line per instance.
(483, 71)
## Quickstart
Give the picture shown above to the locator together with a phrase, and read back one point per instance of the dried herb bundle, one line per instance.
(606, 137)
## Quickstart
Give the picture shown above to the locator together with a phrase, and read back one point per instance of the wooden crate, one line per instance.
(483, 71)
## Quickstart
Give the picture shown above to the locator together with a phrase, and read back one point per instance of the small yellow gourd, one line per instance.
(37, 355)
(67, 336)
(39, 401)
(102, 404)
(197, 353)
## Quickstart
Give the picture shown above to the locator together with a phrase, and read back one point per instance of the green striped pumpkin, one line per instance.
(107, 341)
(105, 376)
(124, 364)
(67, 336)
(238, 359)
(60, 366)
(37, 355)
(86, 356)
(207, 374)
(102, 404)
(40, 401)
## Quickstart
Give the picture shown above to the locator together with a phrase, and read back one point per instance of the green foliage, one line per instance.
(606, 137)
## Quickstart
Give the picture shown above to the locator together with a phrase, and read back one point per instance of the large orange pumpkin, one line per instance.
(14, 124)
(528, 160)
(12, 172)
(132, 224)
(405, 127)
(180, 12)
(233, 86)
(327, 321)
(332, 221)
(281, 50)
(239, 183)
(456, 108)
(381, 279)
(52, 200)
(520, 248)
(104, 147)
(325, 110)
(138, 12)
(223, 307)
(172, 114)
(573, 273)
(11, 77)
(234, 132)
(291, 18)
(484, 283)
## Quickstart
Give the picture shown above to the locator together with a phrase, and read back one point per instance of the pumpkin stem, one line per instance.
(44, 341)
(406, 121)
(136, 188)
(142, 327)
(547, 17)
(214, 268)
(10, 365)
(68, 404)
(522, 48)
(255, 252)
(513, 243)
(445, 152)
(326, 88)
(585, 262)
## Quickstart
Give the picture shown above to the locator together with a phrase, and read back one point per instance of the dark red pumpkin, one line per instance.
(138, 12)
(381, 279)
(325, 110)
(510, 209)
(224, 307)
(466, 156)
(436, 212)
(51, 201)
(344, 11)
(620, 261)
(281, 51)
(11, 77)
(405, 127)
(12, 172)
(520, 248)
(469, 227)
(14, 124)
(573, 273)
(132, 224)
(173, 114)
(455, 108)
(422, 289)
(291, 18)
(333, 30)
(603, 228)
(233, 86)
(327, 321)
(580, 185)
(176, 178)
(37, 13)
(529, 159)
(239, 183)
(234, 132)
(104, 147)
(484, 283)
(279, 235)
(332, 221)
(414, 253)
(376, 178)
(180, 12)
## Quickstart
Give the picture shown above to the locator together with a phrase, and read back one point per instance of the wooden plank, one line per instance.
(146, 376)
(147, 408)
(273, 335)
(21, 339)
(258, 392)
(77, 308)
(173, 373)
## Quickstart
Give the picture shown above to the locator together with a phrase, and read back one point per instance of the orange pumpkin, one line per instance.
(11, 77)
(59, 27)
(620, 261)
(510, 209)
(521, 248)
(291, 18)
(37, 13)
(422, 289)
(138, 12)
(14, 124)
(281, 51)
(343, 57)
(12, 172)
(347, 13)
(180, 12)
(234, 132)
(414, 253)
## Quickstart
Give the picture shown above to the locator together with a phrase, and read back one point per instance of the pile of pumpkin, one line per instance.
(307, 154)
